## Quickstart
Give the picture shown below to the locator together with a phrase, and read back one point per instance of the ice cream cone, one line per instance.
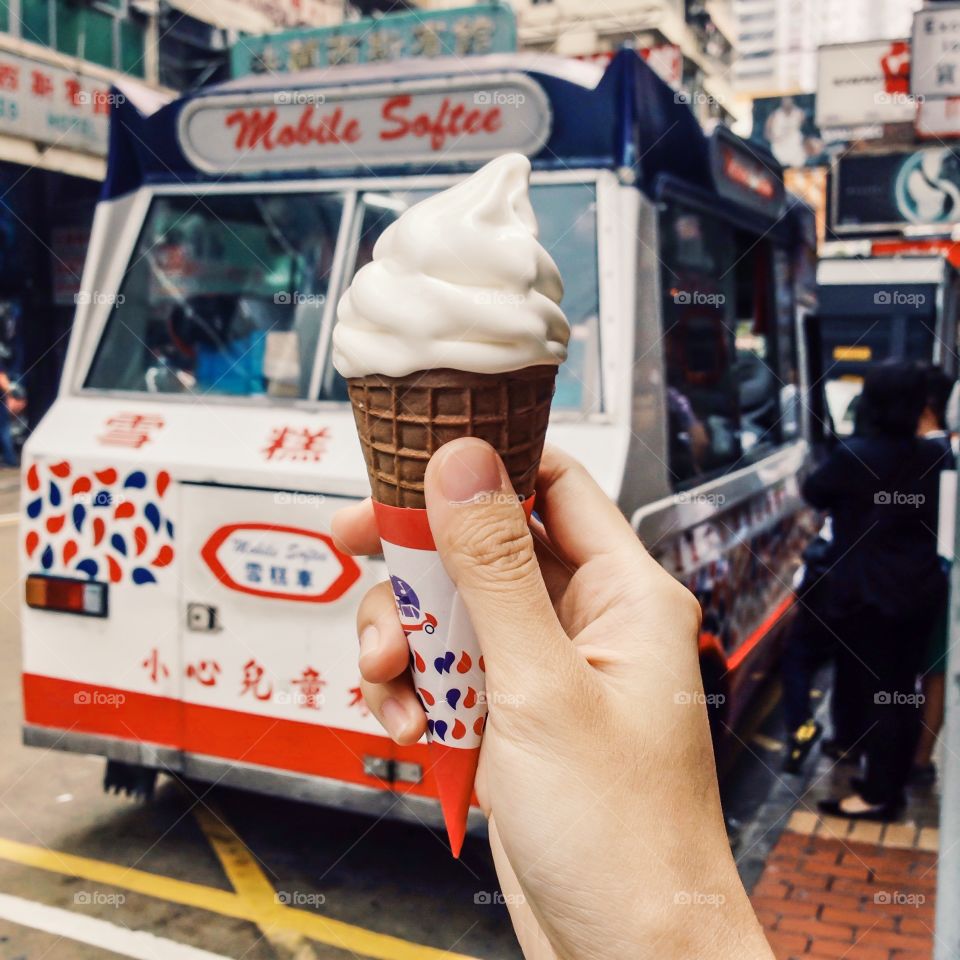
(403, 421)
(454, 329)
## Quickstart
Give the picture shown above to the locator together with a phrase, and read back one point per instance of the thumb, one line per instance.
(484, 541)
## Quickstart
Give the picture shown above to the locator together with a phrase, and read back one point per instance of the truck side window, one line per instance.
(699, 344)
(729, 346)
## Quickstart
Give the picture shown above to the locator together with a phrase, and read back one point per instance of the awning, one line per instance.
(225, 14)
(55, 159)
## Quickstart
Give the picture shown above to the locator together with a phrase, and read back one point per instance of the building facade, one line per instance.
(689, 42)
(61, 62)
(777, 40)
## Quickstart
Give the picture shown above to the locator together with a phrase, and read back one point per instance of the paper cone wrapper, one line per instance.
(445, 658)
(402, 422)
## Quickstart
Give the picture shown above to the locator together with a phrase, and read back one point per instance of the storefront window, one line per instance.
(224, 295)
(853, 343)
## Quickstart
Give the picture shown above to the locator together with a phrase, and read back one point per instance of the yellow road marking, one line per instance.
(767, 743)
(250, 882)
(334, 933)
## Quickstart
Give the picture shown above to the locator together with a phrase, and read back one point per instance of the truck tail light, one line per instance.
(66, 595)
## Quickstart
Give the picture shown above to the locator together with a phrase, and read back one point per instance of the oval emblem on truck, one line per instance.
(282, 563)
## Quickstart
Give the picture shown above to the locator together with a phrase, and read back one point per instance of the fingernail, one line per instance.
(469, 470)
(394, 717)
(369, 640)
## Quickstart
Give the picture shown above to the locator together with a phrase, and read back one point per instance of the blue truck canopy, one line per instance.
(446, 114)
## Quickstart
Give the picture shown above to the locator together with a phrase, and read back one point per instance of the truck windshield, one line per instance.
(224, 295)
(567, 216)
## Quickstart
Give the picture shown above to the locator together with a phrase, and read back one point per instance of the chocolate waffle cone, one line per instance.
(403, 421)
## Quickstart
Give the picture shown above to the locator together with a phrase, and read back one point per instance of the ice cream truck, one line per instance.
(185, 608)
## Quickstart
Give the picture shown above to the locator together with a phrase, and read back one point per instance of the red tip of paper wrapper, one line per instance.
(454, 769)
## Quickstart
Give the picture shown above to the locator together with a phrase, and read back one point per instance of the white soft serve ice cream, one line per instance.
(459, 280)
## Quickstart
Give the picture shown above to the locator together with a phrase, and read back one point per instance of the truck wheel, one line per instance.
(130, 778)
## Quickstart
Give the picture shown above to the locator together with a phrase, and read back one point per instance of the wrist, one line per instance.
(703, 911)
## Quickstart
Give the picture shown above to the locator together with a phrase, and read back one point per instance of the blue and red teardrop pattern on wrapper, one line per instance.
(103, 524)
(446, 684)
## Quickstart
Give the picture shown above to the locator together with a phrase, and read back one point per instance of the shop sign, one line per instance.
(425, 34)
(53, 106)
(864, 83)
(936, 52)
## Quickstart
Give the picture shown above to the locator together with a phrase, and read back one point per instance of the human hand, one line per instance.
(596, 772)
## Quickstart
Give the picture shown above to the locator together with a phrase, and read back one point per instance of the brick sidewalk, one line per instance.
(865, 892)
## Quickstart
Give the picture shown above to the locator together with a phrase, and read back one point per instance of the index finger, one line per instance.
(566, 494)
(354, 529)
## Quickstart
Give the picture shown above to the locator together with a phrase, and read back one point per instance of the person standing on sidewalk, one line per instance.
(933, 426)
(886, 584)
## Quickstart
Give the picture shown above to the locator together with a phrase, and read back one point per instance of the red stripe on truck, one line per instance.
(217, 732)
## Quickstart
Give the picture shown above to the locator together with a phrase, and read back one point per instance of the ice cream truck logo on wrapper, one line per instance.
(282, 563)
(408, 606)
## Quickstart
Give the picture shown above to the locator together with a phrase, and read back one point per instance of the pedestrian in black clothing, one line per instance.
(885, 583)
(811, 642)
(933, 426)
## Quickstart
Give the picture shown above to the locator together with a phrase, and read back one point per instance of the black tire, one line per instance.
(132, 779)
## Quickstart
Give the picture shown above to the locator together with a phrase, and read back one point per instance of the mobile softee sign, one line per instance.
(386, 125)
